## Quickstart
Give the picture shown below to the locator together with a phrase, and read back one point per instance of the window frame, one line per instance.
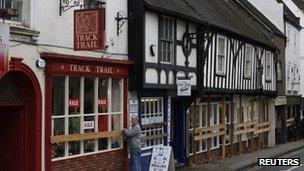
(268, 73)
(248, 59)
(82, 115)
(224, 56)
(164, 40)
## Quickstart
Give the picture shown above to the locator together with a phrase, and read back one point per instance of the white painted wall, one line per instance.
(292, 58)
(299, 13)
(272, 10)
(151, 36)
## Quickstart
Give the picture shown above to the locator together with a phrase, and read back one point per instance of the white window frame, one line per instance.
(221, 72)
(154, 117)
(212, 124)
(66, 115)
(248, 61)
(268, 66)
(288, 76)
(169, 60)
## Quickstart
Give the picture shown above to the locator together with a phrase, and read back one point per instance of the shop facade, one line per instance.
(86, 101)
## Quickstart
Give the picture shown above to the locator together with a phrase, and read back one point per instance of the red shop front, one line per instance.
(86, 109)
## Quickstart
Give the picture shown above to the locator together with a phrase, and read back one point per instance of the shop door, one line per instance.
(10, 139)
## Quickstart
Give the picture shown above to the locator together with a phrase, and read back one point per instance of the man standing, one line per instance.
(134, 143)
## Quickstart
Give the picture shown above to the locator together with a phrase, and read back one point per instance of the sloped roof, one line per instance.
(223, 14)
(261, 17)
(299, 4)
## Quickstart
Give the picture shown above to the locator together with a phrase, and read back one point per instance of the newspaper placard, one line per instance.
(161, 158)
(133, 107)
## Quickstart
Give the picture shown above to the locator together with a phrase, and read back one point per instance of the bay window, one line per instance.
(84, 105)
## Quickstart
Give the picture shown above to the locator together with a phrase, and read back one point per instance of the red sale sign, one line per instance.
(102, 102)
(73, 103)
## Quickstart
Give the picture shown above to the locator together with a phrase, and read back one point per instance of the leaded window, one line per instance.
(221, 55)
(166, 36)
(248, 61)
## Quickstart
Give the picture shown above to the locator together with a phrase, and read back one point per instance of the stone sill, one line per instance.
(23, 34)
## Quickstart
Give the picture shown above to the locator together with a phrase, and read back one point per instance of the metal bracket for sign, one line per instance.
(65, 5)
(121, 18)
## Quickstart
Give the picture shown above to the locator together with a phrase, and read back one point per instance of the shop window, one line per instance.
(201, 121)
(86, 105)
(151, 118)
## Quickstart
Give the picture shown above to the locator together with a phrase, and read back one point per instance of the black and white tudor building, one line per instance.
(230, 61)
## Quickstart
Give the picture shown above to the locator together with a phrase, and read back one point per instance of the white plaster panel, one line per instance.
(180, 74)
(163, 77)
(180, 29)
(192, 58)
(171, 78)
(151, 36)
(180, 57)
(151, 76)
(193, 79)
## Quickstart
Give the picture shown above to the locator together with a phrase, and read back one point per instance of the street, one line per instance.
(296, 154)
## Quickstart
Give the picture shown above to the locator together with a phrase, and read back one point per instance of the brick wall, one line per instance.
(108, 161)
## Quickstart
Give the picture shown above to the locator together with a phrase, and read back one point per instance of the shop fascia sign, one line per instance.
(4, 47)
(183, 86)
(89, 29)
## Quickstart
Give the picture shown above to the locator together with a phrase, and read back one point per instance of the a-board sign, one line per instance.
(162, 159)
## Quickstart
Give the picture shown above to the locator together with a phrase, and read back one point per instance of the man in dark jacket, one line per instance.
(134, 143)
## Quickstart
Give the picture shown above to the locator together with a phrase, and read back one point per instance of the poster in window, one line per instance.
(4, 47)
(73, 103)
(89, 29)
(102, 102)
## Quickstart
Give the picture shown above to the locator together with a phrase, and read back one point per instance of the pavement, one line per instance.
(247, 161)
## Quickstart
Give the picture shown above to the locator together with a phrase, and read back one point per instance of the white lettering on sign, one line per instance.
(88, 125)
(73, 103)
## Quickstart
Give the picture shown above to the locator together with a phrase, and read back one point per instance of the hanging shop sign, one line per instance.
(89, 29)
(4, 47)
(183, 86)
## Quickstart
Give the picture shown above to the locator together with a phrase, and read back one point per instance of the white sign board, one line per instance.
(133, 107)
(183, 86)
(88, 124)
(160, 158)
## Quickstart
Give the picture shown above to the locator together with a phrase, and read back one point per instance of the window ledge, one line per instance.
(23, 34)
